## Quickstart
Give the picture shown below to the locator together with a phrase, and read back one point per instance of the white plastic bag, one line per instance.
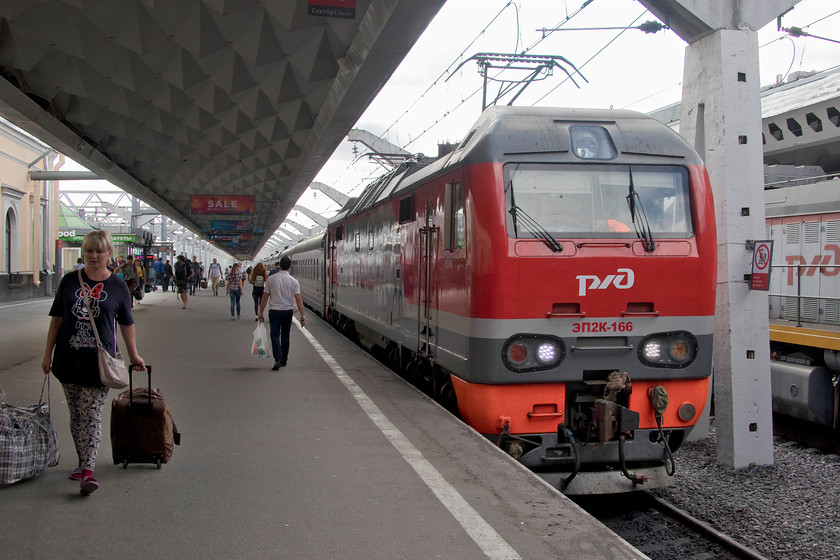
(261, 347)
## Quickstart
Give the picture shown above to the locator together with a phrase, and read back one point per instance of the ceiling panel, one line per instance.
(173, 98)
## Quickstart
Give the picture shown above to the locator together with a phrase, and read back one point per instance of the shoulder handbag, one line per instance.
(113, 372)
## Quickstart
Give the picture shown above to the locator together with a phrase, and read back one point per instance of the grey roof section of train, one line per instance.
(817, 198)
(530, 134)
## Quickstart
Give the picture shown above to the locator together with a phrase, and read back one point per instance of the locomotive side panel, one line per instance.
(804, 248)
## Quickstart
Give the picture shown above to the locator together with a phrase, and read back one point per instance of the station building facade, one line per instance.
(30, 215)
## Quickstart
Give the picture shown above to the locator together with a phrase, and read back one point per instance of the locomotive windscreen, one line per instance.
(592, 201)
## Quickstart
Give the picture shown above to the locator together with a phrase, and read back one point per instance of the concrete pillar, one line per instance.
(721, 114)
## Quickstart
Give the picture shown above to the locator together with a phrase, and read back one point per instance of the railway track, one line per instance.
(662, 531)
(807, 434)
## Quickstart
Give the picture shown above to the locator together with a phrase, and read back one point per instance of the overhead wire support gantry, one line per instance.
(540, 67)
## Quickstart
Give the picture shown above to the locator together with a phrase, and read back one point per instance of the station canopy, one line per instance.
(217, 113)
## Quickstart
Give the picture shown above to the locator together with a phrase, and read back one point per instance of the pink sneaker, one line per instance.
(89, 483)
(76, 475)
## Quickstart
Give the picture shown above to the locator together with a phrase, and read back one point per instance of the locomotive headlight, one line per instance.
(652, 350)
(680, 350)
(672, 350)
(592, 142)
(546, 352)
(532, 352)
(517, 353)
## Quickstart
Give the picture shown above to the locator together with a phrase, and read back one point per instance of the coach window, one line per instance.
(370, 241)
(455, 225)
(358, 242)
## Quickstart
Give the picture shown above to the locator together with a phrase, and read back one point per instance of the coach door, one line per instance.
(426, 305)
(332, 272)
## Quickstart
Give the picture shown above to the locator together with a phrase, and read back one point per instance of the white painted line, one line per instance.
(490, 542)
(28, 302)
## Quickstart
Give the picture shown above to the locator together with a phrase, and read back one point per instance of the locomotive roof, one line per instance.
(506, 133)
(817, 198)
(536, 134)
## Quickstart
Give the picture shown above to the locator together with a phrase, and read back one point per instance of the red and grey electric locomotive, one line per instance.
(552, 279)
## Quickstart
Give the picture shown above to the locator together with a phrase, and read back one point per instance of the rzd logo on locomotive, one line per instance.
(623, 279)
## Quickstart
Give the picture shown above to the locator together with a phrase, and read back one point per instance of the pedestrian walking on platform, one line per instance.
(168, 273)
(215, 276)
(160, 273)
(72, 353)
(281, 293)
(129, 272)
(196, 275)
(235, 280)
(257, 278)
(183, 276)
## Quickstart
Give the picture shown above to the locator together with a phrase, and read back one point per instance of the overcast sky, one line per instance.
(635, 70)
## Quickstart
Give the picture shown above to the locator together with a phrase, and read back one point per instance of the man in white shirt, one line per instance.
(281, 293)
(215, 276)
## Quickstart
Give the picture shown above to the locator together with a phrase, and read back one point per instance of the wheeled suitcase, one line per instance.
(142, 430)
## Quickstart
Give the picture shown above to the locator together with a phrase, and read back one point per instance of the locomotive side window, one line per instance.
(454, 222)
(406, 210)
(597, 201)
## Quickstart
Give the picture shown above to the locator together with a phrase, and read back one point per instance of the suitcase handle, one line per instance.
(131, 384)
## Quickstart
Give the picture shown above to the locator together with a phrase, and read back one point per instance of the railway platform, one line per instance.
(331, 457)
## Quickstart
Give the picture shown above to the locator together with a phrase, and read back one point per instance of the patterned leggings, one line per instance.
(85, 405)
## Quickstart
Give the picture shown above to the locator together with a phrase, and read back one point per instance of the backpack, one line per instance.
(180, 271)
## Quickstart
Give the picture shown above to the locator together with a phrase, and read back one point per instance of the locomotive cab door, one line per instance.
(426, 304)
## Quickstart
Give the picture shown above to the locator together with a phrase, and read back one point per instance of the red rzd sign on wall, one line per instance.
(333, 8)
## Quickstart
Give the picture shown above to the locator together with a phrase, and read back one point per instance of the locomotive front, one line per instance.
(591, 338)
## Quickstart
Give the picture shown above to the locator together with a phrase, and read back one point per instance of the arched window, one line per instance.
(10, 237)
(11, 198)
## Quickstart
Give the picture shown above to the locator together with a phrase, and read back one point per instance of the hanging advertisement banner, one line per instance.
(762, 254)
(333, 8)
(222, 204)
(230, 226)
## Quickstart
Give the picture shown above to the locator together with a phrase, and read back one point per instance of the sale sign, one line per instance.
(221, 204)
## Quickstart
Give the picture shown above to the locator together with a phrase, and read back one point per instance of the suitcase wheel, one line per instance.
(157, 462)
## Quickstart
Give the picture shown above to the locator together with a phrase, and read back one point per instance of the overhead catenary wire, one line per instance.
(453, 63)
(591, 58)
(434, 83)
(464, 100)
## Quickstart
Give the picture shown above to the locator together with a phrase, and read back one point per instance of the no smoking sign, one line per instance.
(762, 256)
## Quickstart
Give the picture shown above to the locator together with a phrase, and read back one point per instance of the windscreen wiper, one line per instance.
(642, 226)
(534, 228)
